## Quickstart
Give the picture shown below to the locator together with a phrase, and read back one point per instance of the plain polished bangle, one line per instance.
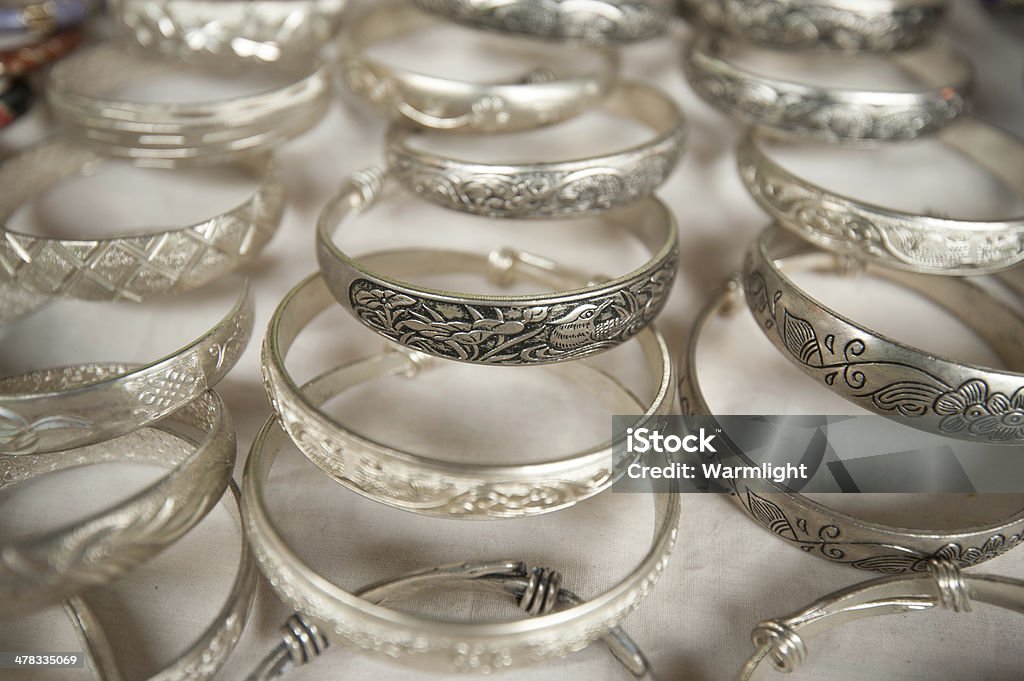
(208, 653)
(42, 569)
(16, 98)
(426, 643)
(263, 31)
(536, 590)
(550, 189)
(424, 484)
(814, 527)
(829, 24)
(27, 58)
(548, 94)
(163, 134)
(488, 329)
(65, 407)
(42, 17)
(590, 22)
(832, 113)
(136, 266)
(782, 640)
(903, 383)
(894, 238)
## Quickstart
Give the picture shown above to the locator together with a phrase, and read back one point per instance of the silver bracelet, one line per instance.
(132, 267)
(894, 238)
(207, 654)
(488, 329)
(548, 94)
(902, 383)
(804, 24)
(260, 31)
(42, 569)
(782, 640)
(423, 484)
(550, 189)
(537, 591)
(423, 642)
(832, 113)
(65, 407)
(162, 134)
(822, 531)
(592, 22)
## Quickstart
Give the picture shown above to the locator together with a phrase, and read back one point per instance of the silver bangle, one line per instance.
(537, 591)
(902, 383)
(66, 407)
(822, 531)
(264, 31)
(592, 22)
(548, 94)
(832, 113)
(208, 653)
(46, 568)
(425, 643)
(550, 189)
(805, 24)
(889, 237)
(487, 329)
(132, 267)
(423, 484)
(163, 134)
(782, 640)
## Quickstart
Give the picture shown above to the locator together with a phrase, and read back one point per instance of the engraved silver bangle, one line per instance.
(134, 266)
(489, 329)
(65, 407)
(828, 24)
(832, 113)
(163, 134)
(208, 653)
(547, 94)
(424, 484)
(260, 31)
(550, 189)
(592, 22)
(536, 590)
(45, 568)
(426, 643)
(889, 237)
(781, 641)
(908, 385)
(814, 527)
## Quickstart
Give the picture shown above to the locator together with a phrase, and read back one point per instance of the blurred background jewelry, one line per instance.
(45, 17)
(24, 59)
(555, 188)
(550, 92)
(894, 238)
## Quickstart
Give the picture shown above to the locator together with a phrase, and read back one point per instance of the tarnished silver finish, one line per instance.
(43, 569)
(902, 383)
(260, 31)
(550, 189)
(537, 591)
(589, 22)
(833, 113)
(548, 93)
(65, 407)
(830, 24)
(822, 531)
(781, 641)
(577, 321)
(131, 267)
(426, 643)
(80, 93)
(893, 238)
(430, 486)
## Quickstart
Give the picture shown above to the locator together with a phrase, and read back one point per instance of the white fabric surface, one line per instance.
(727, 573)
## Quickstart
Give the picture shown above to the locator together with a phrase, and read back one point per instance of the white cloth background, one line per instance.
(727, 573)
